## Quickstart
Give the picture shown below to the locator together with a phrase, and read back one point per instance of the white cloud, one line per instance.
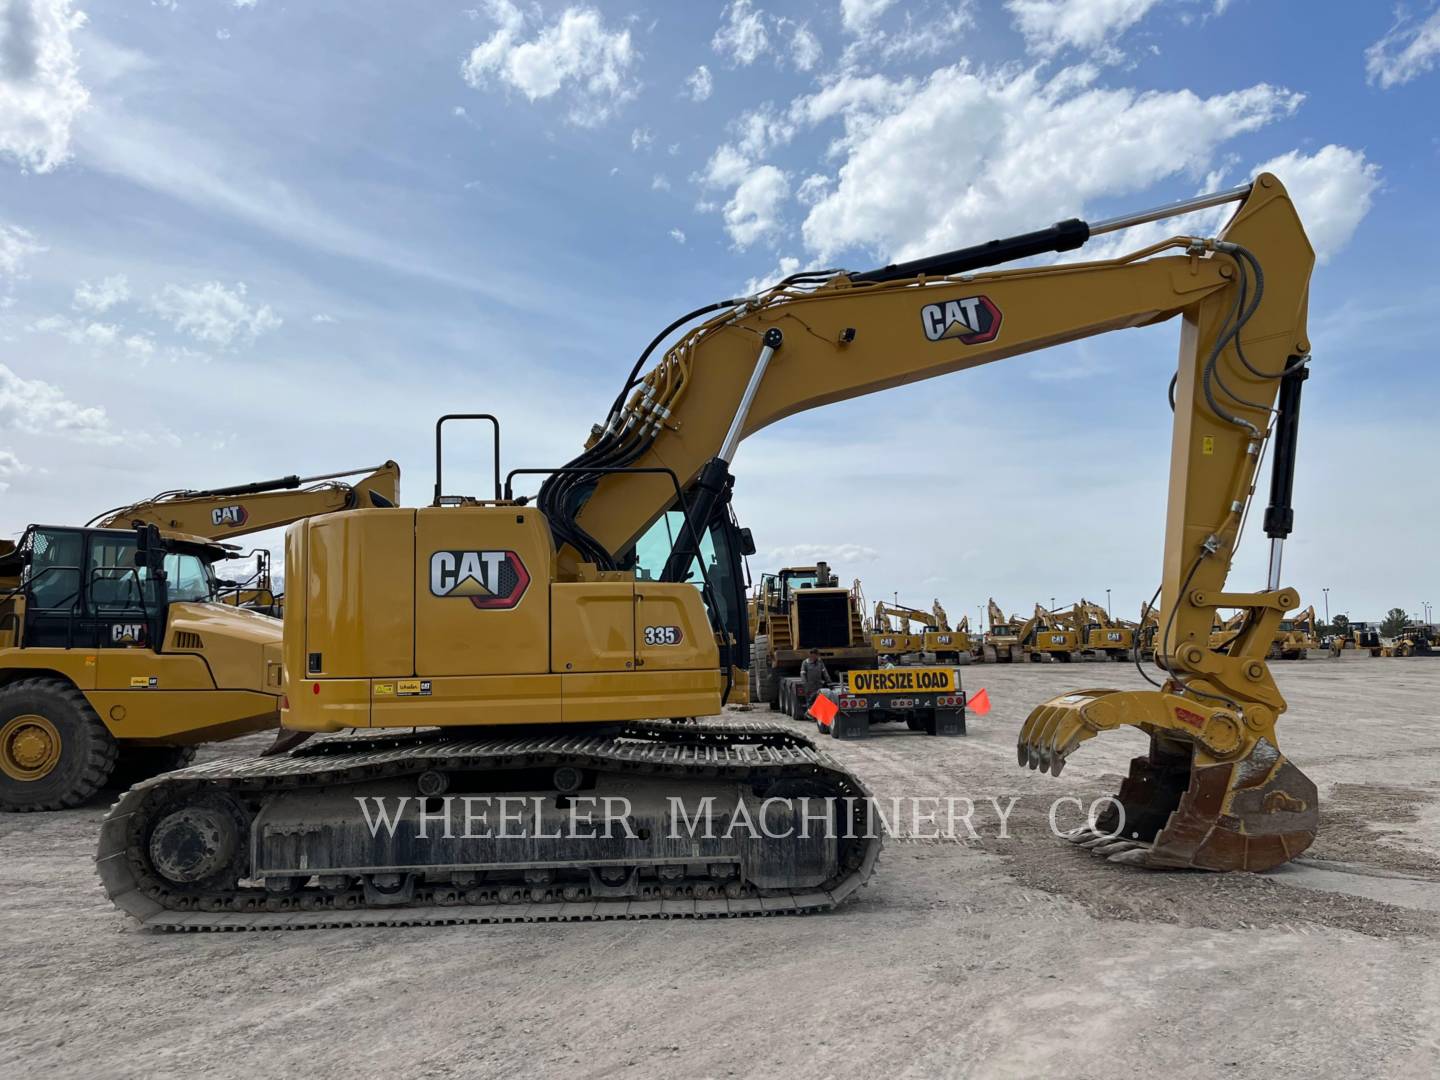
(787, 265)
(805, 50)
(575, 53)
(102, 297)
(322, 318)
(660, 183)
(923, 29)
(809, 554)
(812, 189)
(10, 467)
(747, 33)
(726, 167)
(40, 88)
(214, 314)
(858, 16)
(641, 138)
(16, 246)
(36, 407)
(1333, 190)
(753, 212)
(700, 83)
(761, 130)
(970, 155)
(678, 235)
(243, 3)
(1405, 52)
(742, 37)
(1092, 25)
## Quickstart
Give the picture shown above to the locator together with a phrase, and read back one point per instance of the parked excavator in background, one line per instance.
(1101, 637)
(613, 603)
(1000, 644)
(904, 636)
(802, 608)
(117, 655)
(1146, 631)
(946, 645)
(227, 513)
(1295, 637)
(1052, 636)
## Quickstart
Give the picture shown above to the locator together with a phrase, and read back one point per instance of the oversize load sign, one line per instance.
(903, 680)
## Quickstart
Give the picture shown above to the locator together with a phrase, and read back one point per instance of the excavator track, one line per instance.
(240, 807)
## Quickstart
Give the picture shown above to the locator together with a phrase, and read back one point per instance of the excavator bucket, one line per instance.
(1209, 801)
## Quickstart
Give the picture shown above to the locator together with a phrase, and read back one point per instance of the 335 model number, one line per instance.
(663, 635)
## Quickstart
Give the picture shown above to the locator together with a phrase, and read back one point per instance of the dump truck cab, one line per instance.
(112, 643)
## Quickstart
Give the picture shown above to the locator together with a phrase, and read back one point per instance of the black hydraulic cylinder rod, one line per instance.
(1062, 236)
(1280, 515)
(282, 484)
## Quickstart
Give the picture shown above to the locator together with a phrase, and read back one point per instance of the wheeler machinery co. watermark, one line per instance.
(580, 817)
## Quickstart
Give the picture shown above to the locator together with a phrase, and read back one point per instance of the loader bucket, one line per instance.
(1253, 813)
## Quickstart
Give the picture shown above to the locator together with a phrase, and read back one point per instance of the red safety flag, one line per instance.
(823, 709)
(979, 704)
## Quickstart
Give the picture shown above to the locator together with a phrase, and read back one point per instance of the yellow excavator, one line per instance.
(552, 653)
(1051, 636)
(1001, 644)
(948, 646)
(117, 653)
(1295, 636)
(227, 513)
(1101, 637)
(891, 630)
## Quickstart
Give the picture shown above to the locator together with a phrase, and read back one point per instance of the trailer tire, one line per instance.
(55, 752)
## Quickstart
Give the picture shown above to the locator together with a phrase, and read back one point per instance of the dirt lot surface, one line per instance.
(1018, 956)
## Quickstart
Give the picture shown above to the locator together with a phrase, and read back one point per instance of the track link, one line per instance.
(735, 750)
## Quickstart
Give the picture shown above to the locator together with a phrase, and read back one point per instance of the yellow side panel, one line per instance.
(142, 670)
(176, 716)
(671, 630)
(359, 596)
(641, 695)
(340, 704)
(592, 626)
(482, 591)
(77, 665)
(462, 701)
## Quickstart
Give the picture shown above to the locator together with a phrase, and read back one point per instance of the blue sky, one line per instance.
(242, 238)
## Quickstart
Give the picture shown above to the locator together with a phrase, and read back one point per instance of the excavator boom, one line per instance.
(242, 509)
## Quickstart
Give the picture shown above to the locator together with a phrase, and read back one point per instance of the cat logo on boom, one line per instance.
(491, 580)
(971, 320)
(232, 516)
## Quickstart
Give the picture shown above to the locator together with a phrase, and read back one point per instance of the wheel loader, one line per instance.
(802, 608)
(554, 651)
(117, 653)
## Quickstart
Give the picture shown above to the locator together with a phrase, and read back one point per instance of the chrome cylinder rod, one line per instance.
(1186, 206)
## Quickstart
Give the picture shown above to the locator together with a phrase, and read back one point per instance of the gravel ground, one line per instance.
(997, 956)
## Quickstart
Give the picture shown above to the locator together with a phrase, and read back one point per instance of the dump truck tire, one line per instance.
(54, 751)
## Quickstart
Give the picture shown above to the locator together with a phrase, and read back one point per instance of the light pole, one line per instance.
(1052, 603)
(1108, 615)
(1327, 606)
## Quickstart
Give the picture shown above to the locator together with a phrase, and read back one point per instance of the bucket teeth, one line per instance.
(1138, 855)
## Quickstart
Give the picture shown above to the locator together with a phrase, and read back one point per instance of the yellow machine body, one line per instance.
(453, 617)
